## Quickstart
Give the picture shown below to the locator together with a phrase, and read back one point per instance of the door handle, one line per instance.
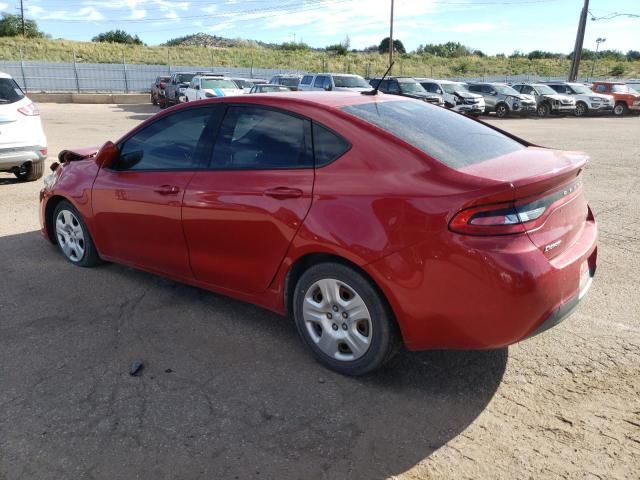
(282, 193)
(167, 190)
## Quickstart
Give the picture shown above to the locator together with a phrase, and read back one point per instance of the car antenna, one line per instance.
(375, 90)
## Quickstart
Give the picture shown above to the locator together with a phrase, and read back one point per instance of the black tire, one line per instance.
(31, 171)
(154, 99)
(90, 257)
(502, 110)
(163, 102)
(582, 110)
(384, 336)
(620, 109)
(543, 110)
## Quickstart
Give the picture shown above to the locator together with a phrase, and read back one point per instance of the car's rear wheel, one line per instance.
(502, 111)
(343, 319)
(73, 237)
(581, 109)
(620, 109)
(543, 110)
(30, 171)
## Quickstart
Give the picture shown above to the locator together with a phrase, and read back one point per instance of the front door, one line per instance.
(137, 203)
(241, 215)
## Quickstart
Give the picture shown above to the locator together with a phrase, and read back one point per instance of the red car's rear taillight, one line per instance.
(29, 110)
(512, 217)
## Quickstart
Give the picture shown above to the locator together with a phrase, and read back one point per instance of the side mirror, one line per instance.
(107, 155)
(494, 93)
(197, 87)
(328, 88)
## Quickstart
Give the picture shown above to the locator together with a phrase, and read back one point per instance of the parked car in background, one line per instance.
(548, 101)
(442, 233)
(174, 91)
(456, 95)
(337, 82)
(406, 87)
(247, 83)
(157, 88)
(23, 145)
(210, 86)
(269, 88)
(626, 99)
(587, 101)
(503, 99)
(287, 80)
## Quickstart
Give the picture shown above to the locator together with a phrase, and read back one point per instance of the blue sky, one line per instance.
(493, 26)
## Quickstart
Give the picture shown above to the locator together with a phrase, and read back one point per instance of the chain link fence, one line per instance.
(38, 76)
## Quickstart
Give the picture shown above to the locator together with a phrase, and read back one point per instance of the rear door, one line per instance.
(241, 214)
(137, 204)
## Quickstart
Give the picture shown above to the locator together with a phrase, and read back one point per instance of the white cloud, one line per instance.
(137, 14)
(3, 6)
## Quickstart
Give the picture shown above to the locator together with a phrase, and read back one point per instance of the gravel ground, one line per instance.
(228, 391)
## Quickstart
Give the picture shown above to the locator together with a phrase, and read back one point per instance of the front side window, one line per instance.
(445, 136)
(347, 81)
(320, 80)
(167, 144)
(393, 87)
(411, 87)
(601, 88)
(475, 88)
(261, 139)
(10, 92)
(306, 80)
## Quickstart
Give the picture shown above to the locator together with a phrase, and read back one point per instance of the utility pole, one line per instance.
(22, 17)
(577, 49)
(391, 36)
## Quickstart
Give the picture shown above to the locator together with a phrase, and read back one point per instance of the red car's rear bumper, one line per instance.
(486, 292)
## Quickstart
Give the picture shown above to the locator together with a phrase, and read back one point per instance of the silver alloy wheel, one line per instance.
(581, 110)
(501, 111)
(70, 235)
(337, 319)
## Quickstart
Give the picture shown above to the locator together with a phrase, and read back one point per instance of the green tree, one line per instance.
(11, 26)
(398, 47)
(117, 36)
(338, 49)
(633, 55)
(618, 70)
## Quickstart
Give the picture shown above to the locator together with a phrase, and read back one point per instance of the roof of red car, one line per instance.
(325, 99)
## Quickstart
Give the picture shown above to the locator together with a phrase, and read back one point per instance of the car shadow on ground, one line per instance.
(137, 111)
(8, 179)
(228, 390)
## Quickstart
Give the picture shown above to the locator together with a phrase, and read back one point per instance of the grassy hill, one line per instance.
(308, 60)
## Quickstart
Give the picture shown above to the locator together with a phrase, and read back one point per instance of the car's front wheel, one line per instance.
(620, 109)
(343, 319)
(73, 237)
(543, 110)
(502, 111)
(581, 109)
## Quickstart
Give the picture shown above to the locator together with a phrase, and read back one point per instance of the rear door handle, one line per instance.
(282, 193)
(167, 190)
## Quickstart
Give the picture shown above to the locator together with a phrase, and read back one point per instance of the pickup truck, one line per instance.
(625, 97)
(175, 88)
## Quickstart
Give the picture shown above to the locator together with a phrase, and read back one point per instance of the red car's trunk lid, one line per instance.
(539, 178)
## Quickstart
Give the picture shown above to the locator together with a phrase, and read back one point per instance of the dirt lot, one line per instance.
(230, 393)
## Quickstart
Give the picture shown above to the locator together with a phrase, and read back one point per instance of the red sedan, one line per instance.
(370, 219)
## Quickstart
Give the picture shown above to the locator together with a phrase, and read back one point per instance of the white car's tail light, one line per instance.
(29, 110)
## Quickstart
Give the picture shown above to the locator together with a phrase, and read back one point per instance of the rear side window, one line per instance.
(445, 136)
(327, 146)
(10, 92)
(475, 88)
(253, 138)
(306, 80)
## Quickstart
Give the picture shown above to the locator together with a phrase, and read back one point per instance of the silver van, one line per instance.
(336, 82)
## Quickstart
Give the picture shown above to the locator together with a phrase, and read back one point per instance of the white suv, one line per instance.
(587, 101)
(210, 86)
(336, 82)
(23, 145)
(456, 95)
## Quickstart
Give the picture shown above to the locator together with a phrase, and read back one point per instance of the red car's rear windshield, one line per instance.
(446, 136)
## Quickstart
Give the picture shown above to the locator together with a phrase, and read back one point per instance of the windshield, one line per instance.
(185, 77)
(350, 82)
(289, 81)
(545, 90)
(505, 90)
(446, 136)
(581, 89)
(10, 91)
(411, 87)
(217, 83)
(455, 87)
